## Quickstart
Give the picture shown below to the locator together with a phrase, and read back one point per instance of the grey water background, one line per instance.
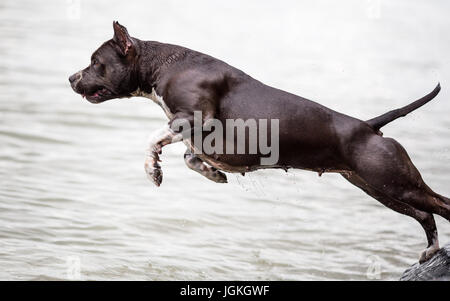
(74, 199)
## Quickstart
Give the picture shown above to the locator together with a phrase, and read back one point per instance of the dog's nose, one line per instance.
(74, 77)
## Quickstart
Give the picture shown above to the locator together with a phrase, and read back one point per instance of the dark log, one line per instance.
(437, 268)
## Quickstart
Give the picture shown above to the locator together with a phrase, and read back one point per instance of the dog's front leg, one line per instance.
(181, 126)
(156, 142)
(196, 164)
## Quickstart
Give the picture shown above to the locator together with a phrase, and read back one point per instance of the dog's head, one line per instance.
(112, 72)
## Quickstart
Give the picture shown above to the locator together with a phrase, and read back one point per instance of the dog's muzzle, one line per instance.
(74, 79)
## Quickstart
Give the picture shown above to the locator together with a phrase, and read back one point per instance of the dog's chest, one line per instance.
(156, 99)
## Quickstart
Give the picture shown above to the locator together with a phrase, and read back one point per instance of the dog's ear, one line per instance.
(122, 38)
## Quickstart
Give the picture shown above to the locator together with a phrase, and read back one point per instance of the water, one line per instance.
(74, 199)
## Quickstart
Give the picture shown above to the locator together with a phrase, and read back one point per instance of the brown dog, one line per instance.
(311, 136)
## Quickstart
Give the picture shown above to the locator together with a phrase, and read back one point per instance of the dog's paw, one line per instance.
(428, 253)
(154, 172)
(217, 176)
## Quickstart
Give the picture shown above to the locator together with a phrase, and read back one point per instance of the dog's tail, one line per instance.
(380, 121)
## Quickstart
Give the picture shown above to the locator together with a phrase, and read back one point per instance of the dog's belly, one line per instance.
(243, 163)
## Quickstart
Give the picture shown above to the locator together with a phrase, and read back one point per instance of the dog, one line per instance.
(310, 136)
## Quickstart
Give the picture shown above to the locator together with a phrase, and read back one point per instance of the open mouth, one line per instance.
(100, 95)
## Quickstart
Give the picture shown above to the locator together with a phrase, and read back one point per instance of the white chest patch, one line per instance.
(156, 99)
(160, 101)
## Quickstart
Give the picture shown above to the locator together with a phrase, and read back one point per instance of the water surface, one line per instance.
(74, 199)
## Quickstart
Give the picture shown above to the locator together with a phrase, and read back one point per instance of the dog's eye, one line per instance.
(97, 67)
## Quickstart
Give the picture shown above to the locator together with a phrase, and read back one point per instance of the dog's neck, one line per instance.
(152, 58)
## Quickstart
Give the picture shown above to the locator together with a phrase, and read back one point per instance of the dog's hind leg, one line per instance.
(425, 219)
(196, 164)
(385, 167)
(442, 202)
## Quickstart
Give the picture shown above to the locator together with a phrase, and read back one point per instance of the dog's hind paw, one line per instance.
(428, 253)
(154, 173)
(217, 176)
